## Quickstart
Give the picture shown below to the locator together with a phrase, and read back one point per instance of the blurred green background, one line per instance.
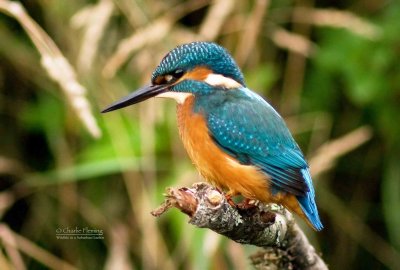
(330, 67)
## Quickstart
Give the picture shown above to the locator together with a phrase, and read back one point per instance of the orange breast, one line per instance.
(219, 168)
(213, 164)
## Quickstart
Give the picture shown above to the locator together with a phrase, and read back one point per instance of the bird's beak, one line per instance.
(139, 95)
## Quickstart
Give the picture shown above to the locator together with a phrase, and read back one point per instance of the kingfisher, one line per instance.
(236, 139)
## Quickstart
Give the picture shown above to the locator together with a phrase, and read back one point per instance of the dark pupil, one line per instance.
(177, 73)
(173, 77)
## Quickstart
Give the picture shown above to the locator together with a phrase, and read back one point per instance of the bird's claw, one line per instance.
(246, 204)
(228, 198)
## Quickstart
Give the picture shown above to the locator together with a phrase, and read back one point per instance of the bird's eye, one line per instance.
(170, 77)
(178, 74)
(174, 76)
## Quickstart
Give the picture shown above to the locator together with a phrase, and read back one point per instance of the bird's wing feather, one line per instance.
(246, 127)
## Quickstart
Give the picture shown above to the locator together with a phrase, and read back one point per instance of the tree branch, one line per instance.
(265, 225)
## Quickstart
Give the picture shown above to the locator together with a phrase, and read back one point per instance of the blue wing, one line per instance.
(249, 129)
(246, 127)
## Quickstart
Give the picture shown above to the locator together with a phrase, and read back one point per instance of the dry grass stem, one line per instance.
(294, 73)
(293, 42)
(184, 35)
(4, 263)
(93, 20)
(310, 121)
(148, 35)
(328, 153)
(15, 241)
(237, 254)
(216, 17)
(10, 245)
(56, 65)
(251, 31)
(132, 11)
(7, 199)
(338, 19)
(118, 255)
(10, 166)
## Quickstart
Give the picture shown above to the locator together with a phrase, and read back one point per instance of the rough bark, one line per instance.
(272, 227)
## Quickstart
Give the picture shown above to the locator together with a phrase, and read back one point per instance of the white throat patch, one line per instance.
(221, 80)
(180, 97)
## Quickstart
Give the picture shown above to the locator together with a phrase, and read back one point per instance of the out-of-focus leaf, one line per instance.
(261, 78)
(81, 172)
(391, 199)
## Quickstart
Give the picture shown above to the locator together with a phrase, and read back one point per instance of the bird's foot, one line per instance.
(247, 204)
(228, 197)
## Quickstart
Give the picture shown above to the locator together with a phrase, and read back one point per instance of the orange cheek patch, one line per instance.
(159, 80)
(198, 74)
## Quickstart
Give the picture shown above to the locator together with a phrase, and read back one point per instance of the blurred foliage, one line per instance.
(54, 174)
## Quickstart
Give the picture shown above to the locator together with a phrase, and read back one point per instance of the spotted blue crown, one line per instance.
(188, 56)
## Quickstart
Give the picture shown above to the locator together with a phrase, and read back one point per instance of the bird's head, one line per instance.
(189, 69)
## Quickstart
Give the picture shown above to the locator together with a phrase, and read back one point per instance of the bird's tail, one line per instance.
(307, 203)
